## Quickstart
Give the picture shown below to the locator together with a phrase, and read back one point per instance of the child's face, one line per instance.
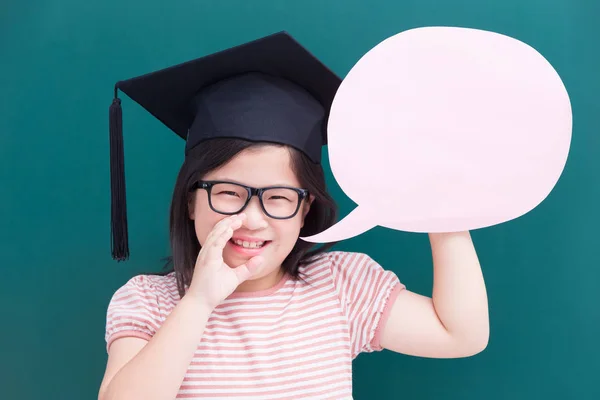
(258, 167)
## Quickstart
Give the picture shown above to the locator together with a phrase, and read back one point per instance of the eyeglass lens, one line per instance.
(230, 198)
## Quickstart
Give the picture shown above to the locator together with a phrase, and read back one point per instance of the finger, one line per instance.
(247, 270)
(215, 248)
(216, 232)
(225, 233)
(234, 221)
(221, 240)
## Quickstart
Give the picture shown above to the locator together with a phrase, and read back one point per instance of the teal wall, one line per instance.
(58, 63)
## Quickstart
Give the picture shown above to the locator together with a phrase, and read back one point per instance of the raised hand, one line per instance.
(213, 280)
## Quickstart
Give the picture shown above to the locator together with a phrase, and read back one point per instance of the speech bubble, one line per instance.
(446, 129)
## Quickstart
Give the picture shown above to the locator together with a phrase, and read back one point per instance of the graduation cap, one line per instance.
(271, 89)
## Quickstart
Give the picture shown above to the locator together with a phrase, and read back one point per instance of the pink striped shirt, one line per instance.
(296, 340)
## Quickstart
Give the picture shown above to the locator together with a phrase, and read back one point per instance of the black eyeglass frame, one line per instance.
(252, 191)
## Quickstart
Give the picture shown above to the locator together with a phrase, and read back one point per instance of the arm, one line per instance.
(454, 321)
(137, 370)
(154, 370)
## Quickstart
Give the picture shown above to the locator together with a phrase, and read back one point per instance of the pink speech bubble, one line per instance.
(444, 129)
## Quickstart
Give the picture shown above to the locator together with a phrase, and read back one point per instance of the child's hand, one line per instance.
(213, 280)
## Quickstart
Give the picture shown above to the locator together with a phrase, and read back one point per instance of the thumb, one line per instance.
(246, 270)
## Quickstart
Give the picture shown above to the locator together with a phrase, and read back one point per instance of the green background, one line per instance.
(59, 62)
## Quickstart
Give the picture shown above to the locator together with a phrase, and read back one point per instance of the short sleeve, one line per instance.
(367, 293)
(133, 311)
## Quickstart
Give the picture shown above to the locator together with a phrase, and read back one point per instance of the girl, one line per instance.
(249, 310)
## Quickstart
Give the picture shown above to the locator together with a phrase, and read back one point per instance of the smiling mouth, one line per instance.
(249, 245)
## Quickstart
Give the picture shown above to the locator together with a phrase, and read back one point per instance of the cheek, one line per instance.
(288, 231)
(204, 220)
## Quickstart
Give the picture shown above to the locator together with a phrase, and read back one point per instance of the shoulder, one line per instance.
(139, 306)
(149, 288)
(349, 259)
(340, 264)
(145, 283)
(353, 272)
(341, 260)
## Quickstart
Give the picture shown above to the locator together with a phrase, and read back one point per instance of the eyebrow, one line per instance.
(287, 184)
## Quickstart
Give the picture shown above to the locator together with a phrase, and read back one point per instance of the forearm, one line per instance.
(157, 371)
(459, 293)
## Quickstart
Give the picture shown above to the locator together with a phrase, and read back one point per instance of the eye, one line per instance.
(279, 198)
(228, 193)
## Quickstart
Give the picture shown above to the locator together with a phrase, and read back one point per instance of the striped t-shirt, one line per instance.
(295, 340)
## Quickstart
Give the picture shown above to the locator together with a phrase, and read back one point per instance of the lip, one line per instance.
(247, 252)
(248, 239)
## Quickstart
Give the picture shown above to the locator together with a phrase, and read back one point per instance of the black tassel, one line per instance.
(120, 245)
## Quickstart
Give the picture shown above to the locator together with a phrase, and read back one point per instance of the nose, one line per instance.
(255, 217)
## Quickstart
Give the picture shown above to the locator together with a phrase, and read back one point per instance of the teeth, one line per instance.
(249, 245)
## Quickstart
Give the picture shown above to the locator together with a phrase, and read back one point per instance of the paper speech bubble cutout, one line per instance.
(444, 129)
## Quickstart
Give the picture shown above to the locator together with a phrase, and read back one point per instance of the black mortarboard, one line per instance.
(271, 89)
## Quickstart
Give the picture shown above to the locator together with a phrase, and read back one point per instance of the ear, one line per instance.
(306, 208)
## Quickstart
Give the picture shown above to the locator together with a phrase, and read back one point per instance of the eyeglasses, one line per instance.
(278, 202)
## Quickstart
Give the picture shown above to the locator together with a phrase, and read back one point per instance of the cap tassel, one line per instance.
(120, 245)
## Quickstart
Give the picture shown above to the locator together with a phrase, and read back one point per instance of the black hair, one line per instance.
(214, 153)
